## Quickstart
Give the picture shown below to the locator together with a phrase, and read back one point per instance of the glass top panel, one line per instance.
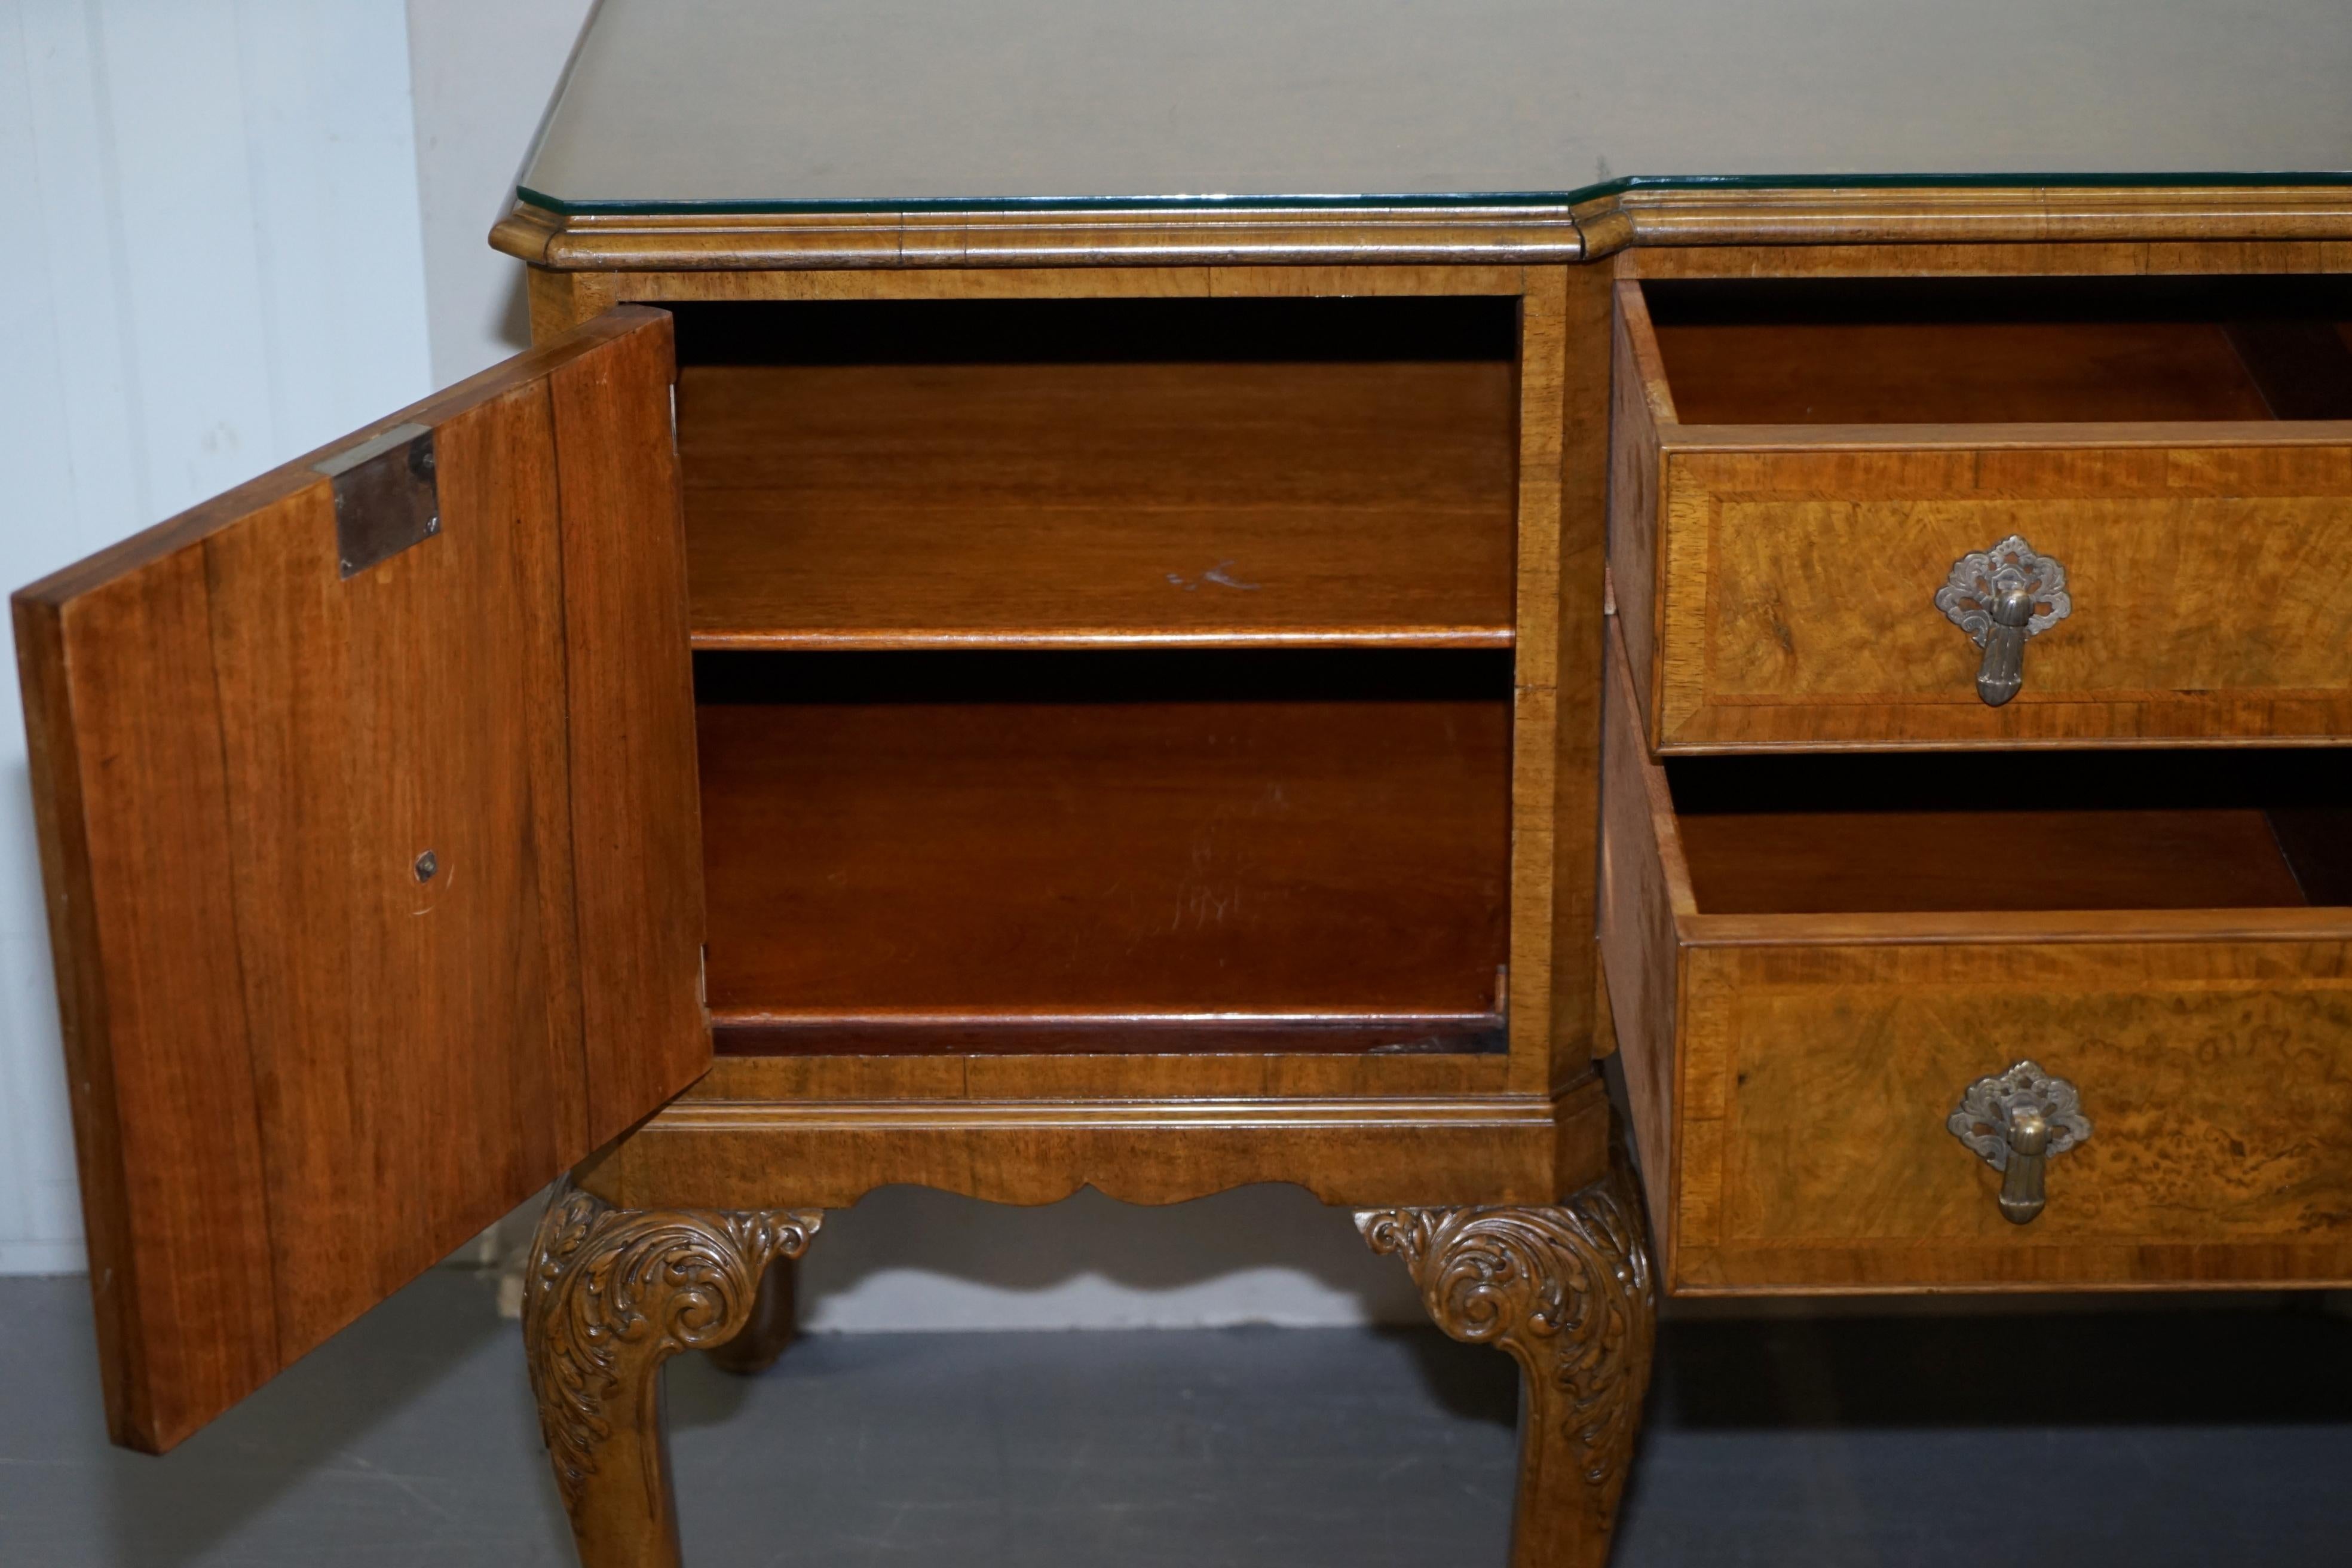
(750, 104)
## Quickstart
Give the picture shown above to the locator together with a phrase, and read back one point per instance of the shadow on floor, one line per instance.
(360, 1441)
(2162, 1439)
(2189, 1368)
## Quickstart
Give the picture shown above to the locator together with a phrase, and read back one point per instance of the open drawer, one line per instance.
(1812, 960)
(1828, 498)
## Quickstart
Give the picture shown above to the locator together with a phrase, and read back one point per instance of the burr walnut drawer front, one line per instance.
(2019, 512)
(1814, 962)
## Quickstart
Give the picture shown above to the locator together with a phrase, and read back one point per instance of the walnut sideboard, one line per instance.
(960, 659)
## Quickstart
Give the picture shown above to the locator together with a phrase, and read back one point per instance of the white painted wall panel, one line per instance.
(214, 265)
(908, 1260)
(485, 70)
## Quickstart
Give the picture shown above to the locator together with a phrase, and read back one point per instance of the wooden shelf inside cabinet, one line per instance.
(1091, 504)
(1108, 852)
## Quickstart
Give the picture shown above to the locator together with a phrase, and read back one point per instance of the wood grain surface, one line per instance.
(1831, 862)
(560, 299)
(1644, 896)
(930, 853)
(1789, 1073)
(1070, 240)
(1640, 405)
(1791, 569)
(1534, 801)
(1942, 372)
(1178, 1074)
(1571, 1037)
(2215, 1075)
(1070, 505)
(1156, 1149)
(2009, 255)
(302, 1069)
(630, 688)
(1866, 231)
(1892, 230)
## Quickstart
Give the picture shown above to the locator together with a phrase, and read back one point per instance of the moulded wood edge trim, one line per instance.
(756, 638)
(1544, 234)
(752, 1017)
(525, 232)
(1369, 213)
(1679, 440)
(1863, 214)
(1584, 1122)
(2020, 743)
(1939, 928)
(753, 241)
(1682, 1290)
(1498, 1112)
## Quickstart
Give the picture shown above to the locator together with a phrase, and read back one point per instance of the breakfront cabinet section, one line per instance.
(367, 808)
(1141, 682)
(2068, 1012)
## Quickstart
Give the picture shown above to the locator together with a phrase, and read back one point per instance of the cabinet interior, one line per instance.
(1133, 851)
(1103, 675)
(1992, 351)
(1099, 472)
(2024, 831)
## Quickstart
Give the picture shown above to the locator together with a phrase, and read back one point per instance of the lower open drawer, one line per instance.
(1810, 960)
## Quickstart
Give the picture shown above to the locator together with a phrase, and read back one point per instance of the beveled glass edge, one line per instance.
(1435, 201)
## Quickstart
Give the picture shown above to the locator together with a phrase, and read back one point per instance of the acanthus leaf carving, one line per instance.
(613, 1293)
(1566, 1291)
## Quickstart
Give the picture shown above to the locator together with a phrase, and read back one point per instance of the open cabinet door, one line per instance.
(366, 798)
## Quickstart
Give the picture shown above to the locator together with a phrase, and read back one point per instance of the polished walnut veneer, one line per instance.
(1771, 548)
(1015, 689)
(1868, 963)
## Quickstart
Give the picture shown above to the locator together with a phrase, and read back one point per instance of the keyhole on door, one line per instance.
(425, 866)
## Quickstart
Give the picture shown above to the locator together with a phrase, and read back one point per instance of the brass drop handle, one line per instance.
(2017, 1121)
(2000, 597)
(2022, 1193)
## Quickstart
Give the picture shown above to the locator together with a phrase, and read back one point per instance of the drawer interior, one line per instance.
(1991, 350)
(1083, 473)
(2023, 831)
(1265, 850)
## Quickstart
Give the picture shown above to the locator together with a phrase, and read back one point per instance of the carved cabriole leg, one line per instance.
(768, 1328)
(612, 1295)
(1568, 1292)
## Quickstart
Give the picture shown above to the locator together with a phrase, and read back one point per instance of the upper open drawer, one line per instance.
(1828, 497)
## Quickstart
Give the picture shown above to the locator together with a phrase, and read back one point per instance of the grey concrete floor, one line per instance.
(2153, 1438)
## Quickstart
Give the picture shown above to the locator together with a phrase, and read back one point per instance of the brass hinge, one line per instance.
(387, 496)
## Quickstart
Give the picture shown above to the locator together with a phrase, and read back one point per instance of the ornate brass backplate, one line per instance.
(2002, 596)
(2016, 1122)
